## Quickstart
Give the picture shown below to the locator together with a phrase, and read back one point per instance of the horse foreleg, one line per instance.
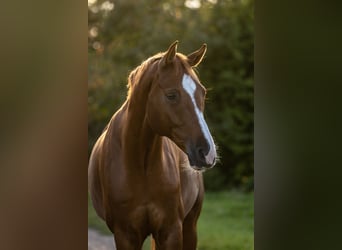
(127, 240)
(189, 233)
(190, 225)
(169, 238)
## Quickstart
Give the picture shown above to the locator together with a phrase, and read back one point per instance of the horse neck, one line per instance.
(141, 143)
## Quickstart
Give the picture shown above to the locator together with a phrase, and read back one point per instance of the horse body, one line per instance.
(140, 177)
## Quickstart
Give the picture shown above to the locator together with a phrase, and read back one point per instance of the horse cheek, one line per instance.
(157, 120)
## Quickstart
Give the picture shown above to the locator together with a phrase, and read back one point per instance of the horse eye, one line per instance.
(171, 96)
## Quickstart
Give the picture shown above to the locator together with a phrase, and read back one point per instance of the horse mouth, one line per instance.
(199, 164)
(200, 169)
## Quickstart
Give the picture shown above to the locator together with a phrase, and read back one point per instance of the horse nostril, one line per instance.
(200, 152)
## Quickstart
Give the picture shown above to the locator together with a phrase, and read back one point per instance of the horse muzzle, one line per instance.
(201, 157)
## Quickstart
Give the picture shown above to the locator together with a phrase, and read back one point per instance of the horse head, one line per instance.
(176, 103)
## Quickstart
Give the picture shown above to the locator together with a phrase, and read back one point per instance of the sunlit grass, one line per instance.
(226, 222)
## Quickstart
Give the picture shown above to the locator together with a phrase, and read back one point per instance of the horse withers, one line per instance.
(145, 168)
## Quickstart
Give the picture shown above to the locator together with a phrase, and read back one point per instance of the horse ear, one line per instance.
(170, 54)
(196, 57)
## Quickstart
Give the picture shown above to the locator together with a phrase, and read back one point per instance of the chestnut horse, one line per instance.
(145, 169)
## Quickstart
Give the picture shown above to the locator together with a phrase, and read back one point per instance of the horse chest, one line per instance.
(145, 192)
(150, 215)
(148, 203)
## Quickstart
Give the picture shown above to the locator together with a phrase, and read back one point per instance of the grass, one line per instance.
(226, 222)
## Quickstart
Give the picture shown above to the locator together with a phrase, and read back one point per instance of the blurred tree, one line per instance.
(122, 33)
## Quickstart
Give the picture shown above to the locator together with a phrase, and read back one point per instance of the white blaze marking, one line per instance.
(190, 87)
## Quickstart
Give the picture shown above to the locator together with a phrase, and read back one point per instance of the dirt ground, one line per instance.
(97, 241)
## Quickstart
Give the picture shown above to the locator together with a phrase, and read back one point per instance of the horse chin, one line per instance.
(195, 166)
(198, 169)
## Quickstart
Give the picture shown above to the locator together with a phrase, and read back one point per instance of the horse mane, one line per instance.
(136, 74)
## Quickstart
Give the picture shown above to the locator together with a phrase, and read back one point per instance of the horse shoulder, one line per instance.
(101, 162)
(94, 176)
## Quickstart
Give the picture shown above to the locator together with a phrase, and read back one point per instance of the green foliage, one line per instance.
(122, 38)
(214, 180)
